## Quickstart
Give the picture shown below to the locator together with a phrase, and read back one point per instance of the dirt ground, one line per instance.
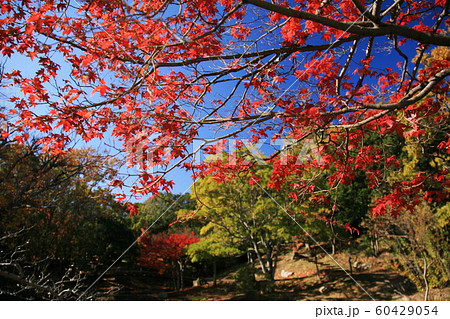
(360, 278)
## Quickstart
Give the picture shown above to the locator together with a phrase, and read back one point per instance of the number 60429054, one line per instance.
(406, 310)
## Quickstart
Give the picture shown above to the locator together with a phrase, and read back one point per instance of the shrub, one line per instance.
(245, 279)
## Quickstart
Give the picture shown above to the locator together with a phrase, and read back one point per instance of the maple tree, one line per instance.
(188, 75)
(419, 237)
(166, 253)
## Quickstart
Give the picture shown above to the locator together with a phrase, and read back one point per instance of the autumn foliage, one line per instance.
(57, 222)
(158, 251)
(345, 103)
(166, 253)
(168, 79)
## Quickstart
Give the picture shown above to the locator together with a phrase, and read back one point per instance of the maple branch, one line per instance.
(367, 56)
(209, 32)
(365, 12)
(359, 28)
(414, 95)
(205, 121)
(405, 63)
(345, 67)
(259, 53)
(361, 123)
(392, 7)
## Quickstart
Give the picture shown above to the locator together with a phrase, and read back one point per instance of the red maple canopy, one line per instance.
(168, 78)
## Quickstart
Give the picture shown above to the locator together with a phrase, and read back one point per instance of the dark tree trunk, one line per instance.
(317, 267)
(374, 243)
(214, 272)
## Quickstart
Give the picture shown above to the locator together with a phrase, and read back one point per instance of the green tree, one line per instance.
(239, 211)
(160, 211)
(211, 249)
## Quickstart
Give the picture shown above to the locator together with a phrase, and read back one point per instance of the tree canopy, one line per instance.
(166, 253)
(167, 79)
(238, 215)
(158, 214)
(56, 220)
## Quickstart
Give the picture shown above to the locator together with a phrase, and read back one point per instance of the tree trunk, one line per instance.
(177, 275)
(425, 279)
(375, 245)
(272, 261)
(250, 258)
(258, 255)
(350, 264)
(174, 280)
(317, 267)
(214, 272)
(270, 270)
(180, 274)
